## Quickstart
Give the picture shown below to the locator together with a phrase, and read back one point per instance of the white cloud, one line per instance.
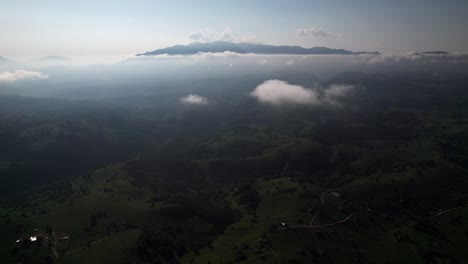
(392, 58)
(208, 35)
(160, 56)
(279, 92)
(202, 35)
(336, 91)
(196, 35)
(200, 55)
(416, 57)
(225, 54)
(260, 57)
(226, 35)
(315, 32)
(194, 99)
(290, 62)
(11, 76)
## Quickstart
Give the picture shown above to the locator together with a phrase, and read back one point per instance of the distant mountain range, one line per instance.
(243, 48)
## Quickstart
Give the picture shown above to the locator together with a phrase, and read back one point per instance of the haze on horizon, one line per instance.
(118, 28)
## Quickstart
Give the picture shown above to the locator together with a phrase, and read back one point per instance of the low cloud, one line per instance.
(315, 32)
(277, 92)
(225, 54)
(335, 92)
(194, 99)
(17, 75)
(262, 58)
(420, 58)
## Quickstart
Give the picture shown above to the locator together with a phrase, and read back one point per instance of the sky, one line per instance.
(126, 27)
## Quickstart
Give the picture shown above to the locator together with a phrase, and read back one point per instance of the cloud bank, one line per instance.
(17, 75)
(194, 99)
(422, 58)
(277, 92)
(315, 32)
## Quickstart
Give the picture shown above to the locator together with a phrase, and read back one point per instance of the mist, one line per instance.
(166, 73)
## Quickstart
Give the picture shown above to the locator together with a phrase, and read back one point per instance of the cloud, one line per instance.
(249, 39)
(225, 54)
(315, 32)
(208, 35)
(196, 35)
(17, 75)
(263, 62)
(290, 62)
(202, 35)
(420, 58)
(279, 92)
(194, 99)
(200, 55)
(226, 35)
(336, 92)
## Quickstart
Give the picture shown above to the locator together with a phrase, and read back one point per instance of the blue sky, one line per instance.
(125, 27)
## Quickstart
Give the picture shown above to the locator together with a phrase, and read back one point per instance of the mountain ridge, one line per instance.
(245, 48)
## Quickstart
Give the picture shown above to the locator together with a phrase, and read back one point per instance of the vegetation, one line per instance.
(379, 178)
